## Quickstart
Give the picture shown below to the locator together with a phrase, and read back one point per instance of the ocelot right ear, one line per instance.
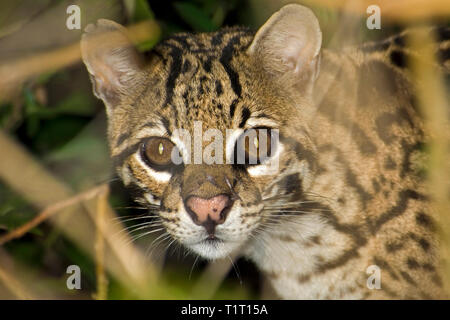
(288, 46)
(112, 60)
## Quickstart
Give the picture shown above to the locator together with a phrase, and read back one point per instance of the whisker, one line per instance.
(193, 265)
(143, 234)
(130, 216)
(235, 268)
(143, 226)
(235, 194)
(136, 208)
(158, 241)
(133, 228)
(134, 218)
(122, 230)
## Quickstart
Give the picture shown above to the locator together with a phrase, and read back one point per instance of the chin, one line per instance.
(214, 249)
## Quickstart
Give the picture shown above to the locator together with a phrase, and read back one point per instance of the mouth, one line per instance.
(212, 247)
(211, 240)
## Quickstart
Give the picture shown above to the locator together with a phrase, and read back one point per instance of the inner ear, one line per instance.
(289, 43)
(111, 59)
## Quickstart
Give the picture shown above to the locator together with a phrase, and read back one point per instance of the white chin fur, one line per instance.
(213, 251)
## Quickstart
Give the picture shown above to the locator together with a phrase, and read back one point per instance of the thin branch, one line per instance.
(23, 173)
(10, 282)
(102, 281)
(13, 73)
(48, 212)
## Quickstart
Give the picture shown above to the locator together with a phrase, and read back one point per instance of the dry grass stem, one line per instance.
(102, 281)
(48, 212)
(9, 280)
(14, 73)
(434, 105)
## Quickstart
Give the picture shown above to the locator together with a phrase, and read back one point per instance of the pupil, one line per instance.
(160, 148)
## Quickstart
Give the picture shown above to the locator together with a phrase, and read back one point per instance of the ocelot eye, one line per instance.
(255, 145)
(157, 152)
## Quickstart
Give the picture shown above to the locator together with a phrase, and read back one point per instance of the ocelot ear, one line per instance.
(112, 60)
(288, 45)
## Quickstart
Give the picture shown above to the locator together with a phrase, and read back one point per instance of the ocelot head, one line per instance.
(211, 128)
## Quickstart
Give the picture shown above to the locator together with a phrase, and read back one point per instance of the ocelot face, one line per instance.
(211, 129)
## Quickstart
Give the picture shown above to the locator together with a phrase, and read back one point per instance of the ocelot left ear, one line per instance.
(288, 46)
(111, 59)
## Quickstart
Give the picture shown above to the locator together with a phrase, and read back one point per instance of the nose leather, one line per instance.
(208, 209)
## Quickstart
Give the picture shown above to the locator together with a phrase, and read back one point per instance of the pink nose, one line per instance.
(214, 209)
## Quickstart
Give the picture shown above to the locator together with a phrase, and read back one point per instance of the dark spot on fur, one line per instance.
(207, 64)
(399, 208)
(122, 138)
(291, 184)
(392, 247)
(443, 33)
(389, 163)
(219, 88)
(286, 238)
(303, 278)
(316, 239)
(245, 115)
(233, 108)
(424, 220)
(436, 280)
(186, 66)
(424, 244)
(398, 58)
(428, 267)
(407, 278)
(385, 266)
(412, 263)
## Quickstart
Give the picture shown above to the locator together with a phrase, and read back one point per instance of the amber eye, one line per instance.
(158, 152)
(254, 146)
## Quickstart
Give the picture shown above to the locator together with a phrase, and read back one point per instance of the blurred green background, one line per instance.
(56, 117)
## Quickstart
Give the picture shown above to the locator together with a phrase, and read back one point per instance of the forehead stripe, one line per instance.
(119, 158)
(122, 138)
(245, 115)
(225, 59)
(166, 124)
(174, 72)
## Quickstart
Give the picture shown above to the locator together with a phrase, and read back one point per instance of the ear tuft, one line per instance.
(289, 43)
(111, 59)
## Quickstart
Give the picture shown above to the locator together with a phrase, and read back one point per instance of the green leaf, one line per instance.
(195, 17)
(78, 103)
(5, 113)
(147, 45)
(55, 133)
(14, 210)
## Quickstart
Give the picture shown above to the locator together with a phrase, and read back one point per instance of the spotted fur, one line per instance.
(349, 189)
